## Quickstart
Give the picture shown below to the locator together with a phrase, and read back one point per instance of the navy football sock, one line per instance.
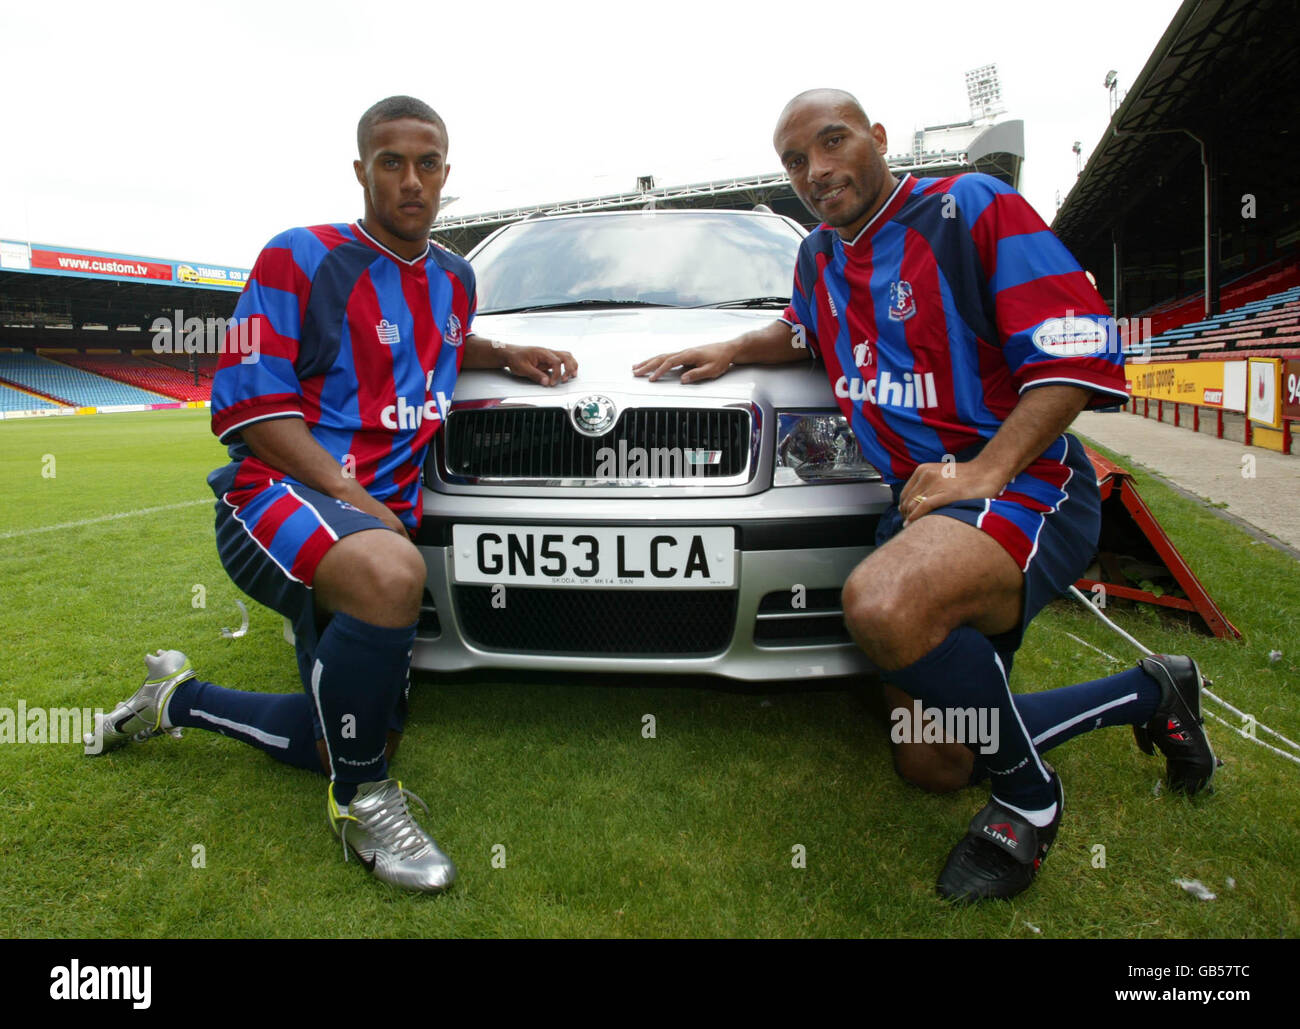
(964, 671)
(1054, 716)
(278, 723)
(360, 673)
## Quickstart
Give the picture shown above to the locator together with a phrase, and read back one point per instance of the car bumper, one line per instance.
(781, 619)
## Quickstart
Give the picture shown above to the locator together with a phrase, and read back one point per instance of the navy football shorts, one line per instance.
(270, 537)
(1047, 518)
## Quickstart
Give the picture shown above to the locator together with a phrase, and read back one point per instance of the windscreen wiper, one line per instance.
(752, 302)
(569, 305)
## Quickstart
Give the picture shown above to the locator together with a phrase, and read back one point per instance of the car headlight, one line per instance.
(818, 447)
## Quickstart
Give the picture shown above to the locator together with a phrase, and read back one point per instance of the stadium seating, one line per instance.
(143, 372)
(1245, 289)
(14, 400)
(207, 362)
(1269, 324)
(70, 385)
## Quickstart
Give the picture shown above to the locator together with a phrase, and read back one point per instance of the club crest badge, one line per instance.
(901, 304)
(453, 334)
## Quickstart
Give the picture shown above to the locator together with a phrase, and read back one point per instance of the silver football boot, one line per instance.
(139, 717)
(383, 833)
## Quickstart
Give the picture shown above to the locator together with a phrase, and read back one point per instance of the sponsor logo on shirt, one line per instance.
(914, 390)
(862, 354)
(901, 304)
(1071, 337)
(405, 416)
(452, 335)
(388, 333)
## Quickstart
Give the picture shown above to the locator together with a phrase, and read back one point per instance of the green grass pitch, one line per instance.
(603, 832)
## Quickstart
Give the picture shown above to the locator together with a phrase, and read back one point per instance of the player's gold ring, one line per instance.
(918, 501)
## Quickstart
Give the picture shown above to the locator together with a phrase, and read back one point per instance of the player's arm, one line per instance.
(777, 343)
(287, 446)
(540, 365)
(1041, 415)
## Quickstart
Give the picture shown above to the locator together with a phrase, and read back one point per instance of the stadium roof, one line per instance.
(936, 150)
(44, 286)
(1225, 72)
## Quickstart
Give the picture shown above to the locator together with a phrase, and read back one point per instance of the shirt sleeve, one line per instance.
(1054, 326)
(256, 378)
(798, 314)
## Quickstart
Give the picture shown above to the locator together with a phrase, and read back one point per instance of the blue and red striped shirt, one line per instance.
(952, 301)
(363, 345)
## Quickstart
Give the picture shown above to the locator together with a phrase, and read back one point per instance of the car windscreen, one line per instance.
(656, 258)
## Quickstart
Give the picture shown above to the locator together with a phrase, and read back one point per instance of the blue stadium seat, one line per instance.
(72, 384)
(12, 400)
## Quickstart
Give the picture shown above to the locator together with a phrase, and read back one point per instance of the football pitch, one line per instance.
(751, 812)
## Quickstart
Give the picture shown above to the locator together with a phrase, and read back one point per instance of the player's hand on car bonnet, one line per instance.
(543, 366)
(700, 363)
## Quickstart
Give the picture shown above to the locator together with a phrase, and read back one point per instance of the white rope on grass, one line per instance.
(1098, 612)
(1258, 724)
(1109, 657)
(1074, 590)
(1245, 735)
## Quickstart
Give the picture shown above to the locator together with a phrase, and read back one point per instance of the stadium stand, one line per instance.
(141, 372)
(1270, 324)
(16, 400)
(1254, 285)
(70, 385)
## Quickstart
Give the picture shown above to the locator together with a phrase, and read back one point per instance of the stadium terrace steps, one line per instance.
(1263, 324)
(139, 372)
(71, 386)
(1243, 293)
(207, 362)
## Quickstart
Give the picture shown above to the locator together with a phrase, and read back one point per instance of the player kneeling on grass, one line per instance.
(361, 331)
(961, 339)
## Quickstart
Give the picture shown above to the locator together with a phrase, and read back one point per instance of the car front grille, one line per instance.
(800, 619)
(630, 623)
(515, 444)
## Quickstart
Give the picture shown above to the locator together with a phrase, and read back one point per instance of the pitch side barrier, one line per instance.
(1265, 391)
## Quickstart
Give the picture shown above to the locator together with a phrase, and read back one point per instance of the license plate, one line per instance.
(674, 557)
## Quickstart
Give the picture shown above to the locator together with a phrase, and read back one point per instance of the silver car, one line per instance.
(613, 524)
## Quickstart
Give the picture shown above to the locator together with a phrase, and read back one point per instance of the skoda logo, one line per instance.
(593, 415)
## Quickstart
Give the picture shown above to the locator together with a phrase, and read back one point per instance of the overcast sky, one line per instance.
(196, 131)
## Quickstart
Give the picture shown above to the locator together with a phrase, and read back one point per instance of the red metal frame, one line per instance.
(1111, 478)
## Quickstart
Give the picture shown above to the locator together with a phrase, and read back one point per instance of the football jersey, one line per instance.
(952, 301)
(363, 345)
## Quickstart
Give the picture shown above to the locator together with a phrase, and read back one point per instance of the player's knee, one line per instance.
(399, 575)
(378, 579)
(876, 619)
(935, 769)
